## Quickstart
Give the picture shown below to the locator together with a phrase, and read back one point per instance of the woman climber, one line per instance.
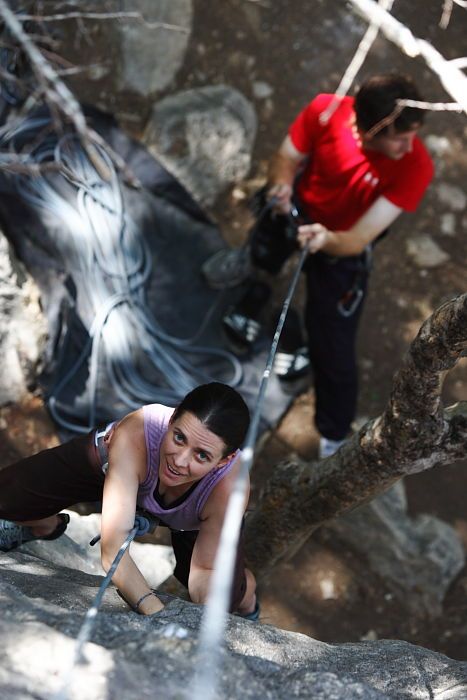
(179, 465)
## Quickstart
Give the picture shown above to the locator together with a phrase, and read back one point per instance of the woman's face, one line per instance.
(189, 451)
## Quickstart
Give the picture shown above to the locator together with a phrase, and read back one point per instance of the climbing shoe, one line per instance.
(241, 329)
(227, 268)
(13, 535)
(291, 365)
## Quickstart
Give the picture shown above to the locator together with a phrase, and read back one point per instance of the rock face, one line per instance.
(22, 327)
(418, 558)
(204, 137)
(43, 605)
(156, 562)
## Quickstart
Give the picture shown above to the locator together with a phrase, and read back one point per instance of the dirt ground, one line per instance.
(298, 49)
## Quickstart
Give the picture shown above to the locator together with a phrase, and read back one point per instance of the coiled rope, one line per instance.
(110, 253)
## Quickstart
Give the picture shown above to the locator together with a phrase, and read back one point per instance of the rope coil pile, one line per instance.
(102, 239)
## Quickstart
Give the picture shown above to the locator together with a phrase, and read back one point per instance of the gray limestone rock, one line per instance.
(425, 252)
(452, 196)
(448, 224)
(204, 137)
(418, 558)
(22, 326)
(43, 607)
(156, 562)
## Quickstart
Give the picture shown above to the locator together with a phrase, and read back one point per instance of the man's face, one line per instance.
(393, 144)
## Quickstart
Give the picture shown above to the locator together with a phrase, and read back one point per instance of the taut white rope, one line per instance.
(215, 614)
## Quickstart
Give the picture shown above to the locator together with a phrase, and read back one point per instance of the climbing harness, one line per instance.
(230, 267)
(351, 300)
(268, 250)
(147, 522)
(99, 443)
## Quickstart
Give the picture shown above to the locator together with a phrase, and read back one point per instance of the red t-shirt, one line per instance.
(341, 180)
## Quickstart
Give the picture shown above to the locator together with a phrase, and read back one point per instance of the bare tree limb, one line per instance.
(102, 16)
(448, 6)
(446, 15)
(354, 65)
(61, 100)
(55, 91)
(22, 165)
(453, 80)
(400, 104)
(413, 434)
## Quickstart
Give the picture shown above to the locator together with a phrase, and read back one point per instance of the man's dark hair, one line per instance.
(377, 99)
(221, 409)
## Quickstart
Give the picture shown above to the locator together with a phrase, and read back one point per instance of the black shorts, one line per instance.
(45, 483)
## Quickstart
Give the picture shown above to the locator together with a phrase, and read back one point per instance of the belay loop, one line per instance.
(145, 522)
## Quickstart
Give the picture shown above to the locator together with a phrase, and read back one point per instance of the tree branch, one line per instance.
(413, 434)
(102, 16)
(453, 80)
(61, 100)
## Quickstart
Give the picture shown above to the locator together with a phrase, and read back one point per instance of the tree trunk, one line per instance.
(413, 434)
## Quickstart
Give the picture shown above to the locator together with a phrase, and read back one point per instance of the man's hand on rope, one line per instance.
(313, 237)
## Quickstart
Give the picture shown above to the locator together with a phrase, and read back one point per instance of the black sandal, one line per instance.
(58, 532)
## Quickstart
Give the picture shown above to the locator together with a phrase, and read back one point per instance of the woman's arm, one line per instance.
(376, 219)
(204, 552)
(127, 469)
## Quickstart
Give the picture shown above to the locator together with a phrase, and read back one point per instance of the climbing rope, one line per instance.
(113, 258)
(141, 527)
(215, 613)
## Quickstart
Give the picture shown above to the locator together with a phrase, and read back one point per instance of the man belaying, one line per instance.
(349, 168)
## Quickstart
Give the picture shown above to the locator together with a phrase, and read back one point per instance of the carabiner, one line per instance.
(347, 312)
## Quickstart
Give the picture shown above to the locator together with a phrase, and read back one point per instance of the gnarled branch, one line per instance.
(414, 433)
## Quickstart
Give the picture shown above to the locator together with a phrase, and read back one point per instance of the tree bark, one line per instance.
(413, 434)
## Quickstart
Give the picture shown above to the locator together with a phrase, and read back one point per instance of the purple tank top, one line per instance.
(186, 515)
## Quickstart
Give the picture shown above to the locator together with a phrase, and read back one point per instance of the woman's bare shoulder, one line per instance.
(129, 431)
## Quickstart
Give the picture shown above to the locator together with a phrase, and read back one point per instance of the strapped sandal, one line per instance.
(58, 532)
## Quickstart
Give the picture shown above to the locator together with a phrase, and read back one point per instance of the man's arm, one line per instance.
(282, 170)
(127, 468)
(376, 219)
